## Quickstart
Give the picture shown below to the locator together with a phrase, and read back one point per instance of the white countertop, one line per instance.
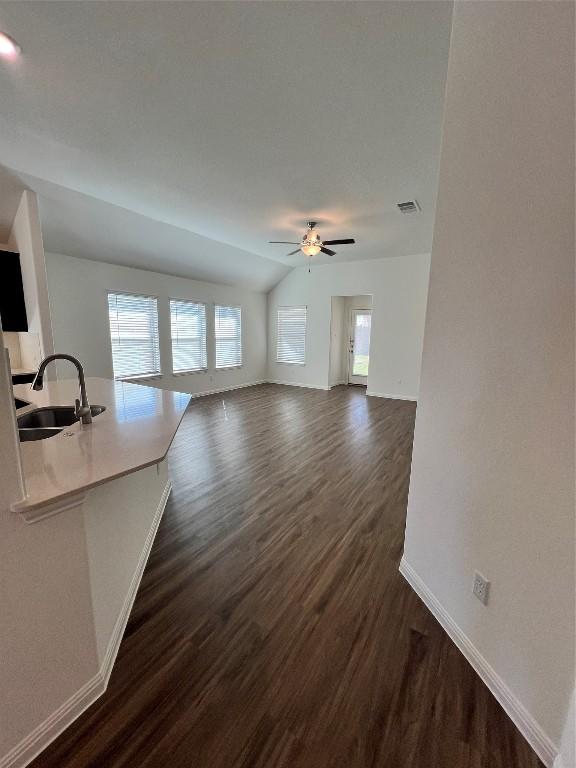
(135, 431)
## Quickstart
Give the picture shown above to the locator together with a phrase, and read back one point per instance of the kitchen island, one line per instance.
(73, 552)
(135, 431)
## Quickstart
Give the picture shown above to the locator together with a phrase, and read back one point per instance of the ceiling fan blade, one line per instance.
(328, 251)
(347, 241)
(293, 252)
(284, 242)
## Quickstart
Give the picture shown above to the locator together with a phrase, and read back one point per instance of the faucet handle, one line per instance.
(83, 412)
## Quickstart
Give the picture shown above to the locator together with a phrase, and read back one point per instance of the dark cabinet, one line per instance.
(23, 378)
(12, 304)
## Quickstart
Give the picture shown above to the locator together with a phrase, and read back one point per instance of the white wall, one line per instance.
(47, 640)
(80, 320)
(26, 239)
(66, 587)
(337, 340)
(11, 482)
(398, 287)
(117, 522)
(492, 485)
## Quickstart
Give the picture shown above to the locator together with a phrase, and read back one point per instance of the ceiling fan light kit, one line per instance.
(311, 243)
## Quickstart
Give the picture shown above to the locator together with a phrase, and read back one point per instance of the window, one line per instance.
(188, 323)
(134, 335)
(291, 335)
(228, 335)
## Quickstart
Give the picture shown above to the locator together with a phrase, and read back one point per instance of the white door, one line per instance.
(359, 349)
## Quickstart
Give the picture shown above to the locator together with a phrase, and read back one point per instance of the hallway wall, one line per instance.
(492, 484)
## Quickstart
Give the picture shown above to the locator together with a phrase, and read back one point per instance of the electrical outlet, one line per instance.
(481, 587)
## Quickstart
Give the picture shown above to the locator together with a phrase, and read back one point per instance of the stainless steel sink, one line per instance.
(26, 435)
(47, 422)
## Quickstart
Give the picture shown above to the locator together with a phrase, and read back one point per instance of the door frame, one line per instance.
(350, 378)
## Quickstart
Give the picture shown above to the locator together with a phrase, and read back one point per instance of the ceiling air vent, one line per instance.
(411, 206)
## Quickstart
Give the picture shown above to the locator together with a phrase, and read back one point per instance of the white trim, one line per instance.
(288, 384)
(392, 397)
(522, 719)
(45, 733)
(48, 509)
(559, 763)
(116, 292)
(296, 384)
(195, 395)
(191, 372)
(186, 299)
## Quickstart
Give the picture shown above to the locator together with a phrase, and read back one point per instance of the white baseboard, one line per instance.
(392, 397)
(31, 746)
(304, 386)
(194, 395)
(296, 384)
(526, 724)
(45, 733)
(301, 386)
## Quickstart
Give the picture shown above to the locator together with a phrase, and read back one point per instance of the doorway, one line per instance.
(359, 346)
(350, 326)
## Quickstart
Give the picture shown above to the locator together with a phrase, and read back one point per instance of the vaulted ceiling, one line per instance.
(181, 137)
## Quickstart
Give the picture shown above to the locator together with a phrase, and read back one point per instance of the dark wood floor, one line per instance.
(272, 628)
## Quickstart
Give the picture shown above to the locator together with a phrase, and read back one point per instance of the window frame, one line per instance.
(219, 368)
(139, 376)
(278, 310)
(189, 371)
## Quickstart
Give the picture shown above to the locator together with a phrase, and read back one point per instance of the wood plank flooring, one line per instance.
(272, 628)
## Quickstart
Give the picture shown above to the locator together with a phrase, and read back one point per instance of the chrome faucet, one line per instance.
(82, 406)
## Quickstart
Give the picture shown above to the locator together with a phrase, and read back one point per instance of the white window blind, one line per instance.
(291, 335)
(228, 335)
(134, 335)
(188, 323)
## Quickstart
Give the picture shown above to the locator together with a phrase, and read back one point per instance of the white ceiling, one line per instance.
(182, 137)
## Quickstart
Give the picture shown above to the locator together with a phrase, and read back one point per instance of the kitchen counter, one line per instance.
(135, 431)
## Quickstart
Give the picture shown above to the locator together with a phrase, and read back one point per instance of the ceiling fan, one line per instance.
(311, 243)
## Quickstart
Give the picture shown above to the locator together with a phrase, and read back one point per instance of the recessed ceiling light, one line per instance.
(9, 48)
